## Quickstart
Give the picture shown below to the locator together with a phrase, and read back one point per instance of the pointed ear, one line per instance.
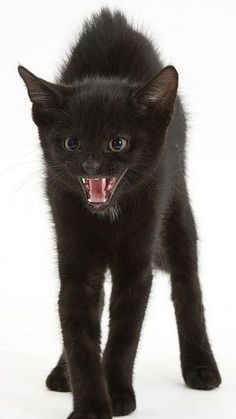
(41, 92)
(159, 94)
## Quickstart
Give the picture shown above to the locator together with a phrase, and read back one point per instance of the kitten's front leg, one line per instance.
(58, 379)
(132, 279)
(79, 308)
(198, 364)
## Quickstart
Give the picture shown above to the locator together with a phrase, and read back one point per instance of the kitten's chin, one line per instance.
(99, 191)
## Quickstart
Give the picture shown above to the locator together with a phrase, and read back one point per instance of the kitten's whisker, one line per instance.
(145, 185)
(56, 177)
(15, 166)
(132, 191)
(18, 187)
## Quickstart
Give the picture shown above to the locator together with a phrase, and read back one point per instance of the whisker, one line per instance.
(144, 185)
(132, 191)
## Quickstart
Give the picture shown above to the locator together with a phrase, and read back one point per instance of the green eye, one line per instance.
(71, 144)
(118, 144)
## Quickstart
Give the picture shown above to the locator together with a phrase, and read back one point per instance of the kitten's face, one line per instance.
(100, 137)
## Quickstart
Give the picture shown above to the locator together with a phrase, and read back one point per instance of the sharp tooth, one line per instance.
(83, 180)
(111, 183)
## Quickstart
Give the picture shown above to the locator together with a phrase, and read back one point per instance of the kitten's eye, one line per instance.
(71, 144)
(118, 144)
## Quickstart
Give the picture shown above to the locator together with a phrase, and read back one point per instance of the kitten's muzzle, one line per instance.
(100, 190)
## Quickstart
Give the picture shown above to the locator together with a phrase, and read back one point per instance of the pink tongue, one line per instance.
(97, 190)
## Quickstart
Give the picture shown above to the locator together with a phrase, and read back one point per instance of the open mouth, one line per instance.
(99, 190)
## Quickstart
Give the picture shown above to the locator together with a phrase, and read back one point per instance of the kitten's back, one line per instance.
(109, 46)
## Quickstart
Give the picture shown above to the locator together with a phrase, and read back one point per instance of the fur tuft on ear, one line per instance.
(158, 94)
(48, 95)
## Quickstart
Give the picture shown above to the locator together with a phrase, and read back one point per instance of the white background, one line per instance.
(198, 37)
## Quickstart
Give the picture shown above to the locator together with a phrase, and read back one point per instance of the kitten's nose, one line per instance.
(91, 167)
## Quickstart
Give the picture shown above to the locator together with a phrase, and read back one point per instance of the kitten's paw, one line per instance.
(202, 377)
(75, 415)
(57, 380)
(123, 402)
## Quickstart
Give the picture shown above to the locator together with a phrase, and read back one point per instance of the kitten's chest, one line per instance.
(133, 231)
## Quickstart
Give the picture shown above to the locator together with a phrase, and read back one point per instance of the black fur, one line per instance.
(112, 85)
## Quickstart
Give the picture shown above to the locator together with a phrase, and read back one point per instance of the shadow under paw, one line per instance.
(57, 380)
(75, 415)
(202, 377)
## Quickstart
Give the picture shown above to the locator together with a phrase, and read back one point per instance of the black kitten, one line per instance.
(113, 136)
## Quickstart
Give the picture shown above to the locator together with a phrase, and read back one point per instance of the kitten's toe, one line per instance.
(123, 402)
(202, 377)
(57, 380)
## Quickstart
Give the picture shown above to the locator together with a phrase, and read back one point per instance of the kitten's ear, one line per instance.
(159, 94)
(48, 95)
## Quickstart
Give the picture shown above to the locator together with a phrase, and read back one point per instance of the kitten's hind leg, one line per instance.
(58, 378)
(180, 243)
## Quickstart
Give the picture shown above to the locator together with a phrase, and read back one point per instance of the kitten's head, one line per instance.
(102, 137)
